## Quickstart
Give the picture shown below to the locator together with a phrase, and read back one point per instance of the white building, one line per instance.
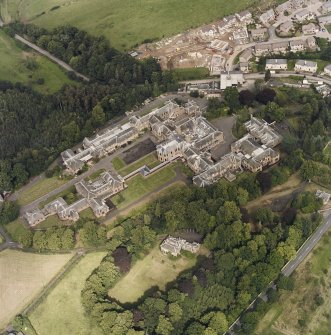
(174, 245)
(304, 15)
(276, 64)
(326, 7)
(268, 16)
(245, 17)
(324, 196)
(305, 66)
(230, 79)
(310, 29)
(327, 70)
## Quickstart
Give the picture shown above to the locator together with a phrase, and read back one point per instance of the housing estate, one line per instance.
(310, 29)
(276, 64)
(284, 7)
(304, 15)
(259, 34)
(268, 16)
(174, 245)
(286, 27)
(306, 66)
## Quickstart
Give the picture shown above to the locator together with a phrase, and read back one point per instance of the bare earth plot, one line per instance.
(22, 277)
(300, 312)
(62, 312)
(155, 269)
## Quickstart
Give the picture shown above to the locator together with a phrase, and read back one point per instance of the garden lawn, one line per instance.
(149, 160)
(125, 23)
(139, 186)
(22, 277)
(13, 67)
(16, 228)
(62, 312)
(30, 193)
(118, 163)
(194, 73)
(155, 269)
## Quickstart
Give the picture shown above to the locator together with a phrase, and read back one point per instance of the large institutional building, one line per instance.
(181, 132)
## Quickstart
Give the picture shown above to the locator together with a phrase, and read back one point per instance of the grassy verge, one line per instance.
(62, 312)
(139, 186)
(23, 276)
(299, 312)
(194, 73)
(29, 68)
(155, 269)
(37, 190)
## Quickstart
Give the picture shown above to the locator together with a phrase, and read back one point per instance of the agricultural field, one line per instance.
(22, 277)
(306, 310)
(123, 23)
(17, 65)
(139, 186)
(62, 312)
(155, 269)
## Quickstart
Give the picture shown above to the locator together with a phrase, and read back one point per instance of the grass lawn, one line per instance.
(139, 186)
(22, 276)
(13, 67)
(313, 278)
(118, 163)
(62, 312)
(149, 160)
(16, 228)
(194, 73)
(155, 269)
(124, 23)
(37, 190)
(95, 174)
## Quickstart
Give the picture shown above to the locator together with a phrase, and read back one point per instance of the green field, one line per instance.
(22, 277)
(62, 312)
(313, 278)
(194, 73)
(14, 63)
(124, 23)
(30, 193)
(155, 269)
(139, 186)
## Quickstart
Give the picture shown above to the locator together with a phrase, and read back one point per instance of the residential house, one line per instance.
(208, 31)
(276, 64)
(296, 4)
(286, 27)
(324, 20)
(280, 47)
(324, 196)
(240, 36)
(246, 56)
(326, 7)
(268, 16)
(304, 15)
(305, 66)
(262, 49)
(245, 17)
(284, 7)
(311, 42)
(244, 67)
(174, 245)
(310, 29)
(298, 45)
(327, 70)
(259, 34)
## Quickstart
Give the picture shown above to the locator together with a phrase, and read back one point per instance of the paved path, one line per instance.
(8, 241)
(292, 265)
(50, 56)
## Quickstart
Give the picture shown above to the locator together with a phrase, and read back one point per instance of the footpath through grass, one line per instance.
(139, 186)
(62, 312)
(22, 277)
(29, 68)
(125, 23)
(306, 310)
(155, 269)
